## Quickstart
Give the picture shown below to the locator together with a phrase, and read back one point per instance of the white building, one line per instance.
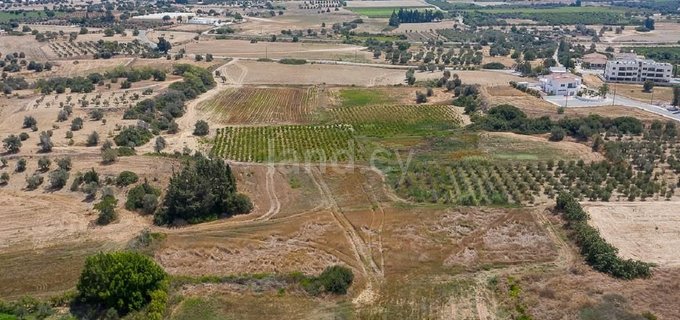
(637, 70)
(560, 84)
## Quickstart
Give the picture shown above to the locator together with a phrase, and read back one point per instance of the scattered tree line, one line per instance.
(161, 110)
(86, 84)
(601, 255)
(509, 118)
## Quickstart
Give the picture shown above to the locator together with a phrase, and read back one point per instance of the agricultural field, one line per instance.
(263, 105)
(250, 187)
(355, 97)
(315, 143)
(386, 120)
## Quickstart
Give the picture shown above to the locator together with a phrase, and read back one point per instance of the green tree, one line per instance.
(556, 134)
(648, 86)
(45, 142)
(77, 124)
(336, 279)
(204, 190)
(93, 139)
(34, 181)
(201, 128)
(163, 45)
(160, 144)
(107, 209)
(143, 197)
(44, 164)
(604, 89)
(21, 165)
(126, 178)
(58, 178)
(125, 281)
(29, 122)
(12, 143)
(4, 178)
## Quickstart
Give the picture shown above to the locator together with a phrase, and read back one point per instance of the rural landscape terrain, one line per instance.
(340, 159)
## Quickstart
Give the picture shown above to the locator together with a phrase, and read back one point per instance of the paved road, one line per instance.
(142, 37)
(572, 102)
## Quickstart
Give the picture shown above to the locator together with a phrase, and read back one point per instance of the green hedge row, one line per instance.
(599, 254)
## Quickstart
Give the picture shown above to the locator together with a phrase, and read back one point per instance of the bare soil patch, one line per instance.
(420, 27)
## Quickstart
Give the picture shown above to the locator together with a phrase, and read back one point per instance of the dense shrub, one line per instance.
(143, 197)
(12, 143)
(204, 190)
(201, 128)
(58, 178)
(133, 136)
(126, 178)
(493, 66)
(334, 279)
(34, 181)
(125, 281)
(292, 61)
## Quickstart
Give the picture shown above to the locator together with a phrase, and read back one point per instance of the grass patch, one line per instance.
(382, 12)
(198, 308)
(362, 97)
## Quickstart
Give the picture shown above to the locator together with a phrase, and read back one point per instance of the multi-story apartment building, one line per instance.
(637, 70)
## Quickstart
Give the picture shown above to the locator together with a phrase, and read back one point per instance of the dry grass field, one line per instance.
(277, 50)
(643, 231)
(260, 73)
(664, 32)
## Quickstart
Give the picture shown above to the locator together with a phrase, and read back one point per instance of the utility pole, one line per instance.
(566, 99)
(614, 98)
(651, 100)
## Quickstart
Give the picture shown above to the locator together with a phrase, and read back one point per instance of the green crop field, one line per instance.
(381, 12)
(287, 143)
(361, 97)
(386, 120)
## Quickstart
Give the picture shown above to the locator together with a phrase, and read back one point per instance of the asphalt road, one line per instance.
(572, 102)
